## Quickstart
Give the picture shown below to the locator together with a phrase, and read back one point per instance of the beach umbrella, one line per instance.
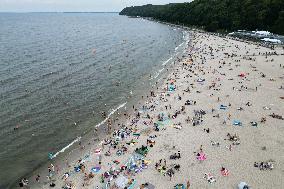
(96, 169)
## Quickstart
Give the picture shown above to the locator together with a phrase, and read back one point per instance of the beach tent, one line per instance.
(121, 182)
(98, 151)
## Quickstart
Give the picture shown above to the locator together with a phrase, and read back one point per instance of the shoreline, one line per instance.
(69, 151)
(173, 131)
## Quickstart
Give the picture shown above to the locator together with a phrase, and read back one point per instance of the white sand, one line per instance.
(239, 161)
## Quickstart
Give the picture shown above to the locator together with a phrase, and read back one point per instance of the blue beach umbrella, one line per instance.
(96, 169)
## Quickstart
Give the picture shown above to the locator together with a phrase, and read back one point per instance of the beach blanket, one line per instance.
(201, 157)
(171, 88)
(179, 186)
(132, 185)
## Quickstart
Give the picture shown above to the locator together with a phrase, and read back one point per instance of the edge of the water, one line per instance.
(70, 149)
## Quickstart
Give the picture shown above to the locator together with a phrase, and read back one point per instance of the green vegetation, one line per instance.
(218, 15)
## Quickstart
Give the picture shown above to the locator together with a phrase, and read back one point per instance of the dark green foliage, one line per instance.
(213, 15)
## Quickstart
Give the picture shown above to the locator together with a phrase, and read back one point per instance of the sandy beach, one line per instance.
(215, 121)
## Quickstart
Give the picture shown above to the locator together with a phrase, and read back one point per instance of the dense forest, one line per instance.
(218, 15)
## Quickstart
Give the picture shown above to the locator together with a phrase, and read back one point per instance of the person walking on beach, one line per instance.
(187, 184)
(37, 178)
(52, 167)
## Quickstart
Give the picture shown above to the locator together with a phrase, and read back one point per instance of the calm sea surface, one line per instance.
(59, 68)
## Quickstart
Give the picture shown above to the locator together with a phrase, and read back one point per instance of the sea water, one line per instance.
(59, 71)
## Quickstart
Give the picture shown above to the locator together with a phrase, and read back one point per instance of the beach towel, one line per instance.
(98, 151)
(225, 172)
(201, 157)
(136, 134)
(171, 88)
(121, 182)
(132, 185)
(179, 186)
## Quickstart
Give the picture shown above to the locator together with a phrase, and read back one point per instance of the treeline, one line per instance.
(218, 15)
